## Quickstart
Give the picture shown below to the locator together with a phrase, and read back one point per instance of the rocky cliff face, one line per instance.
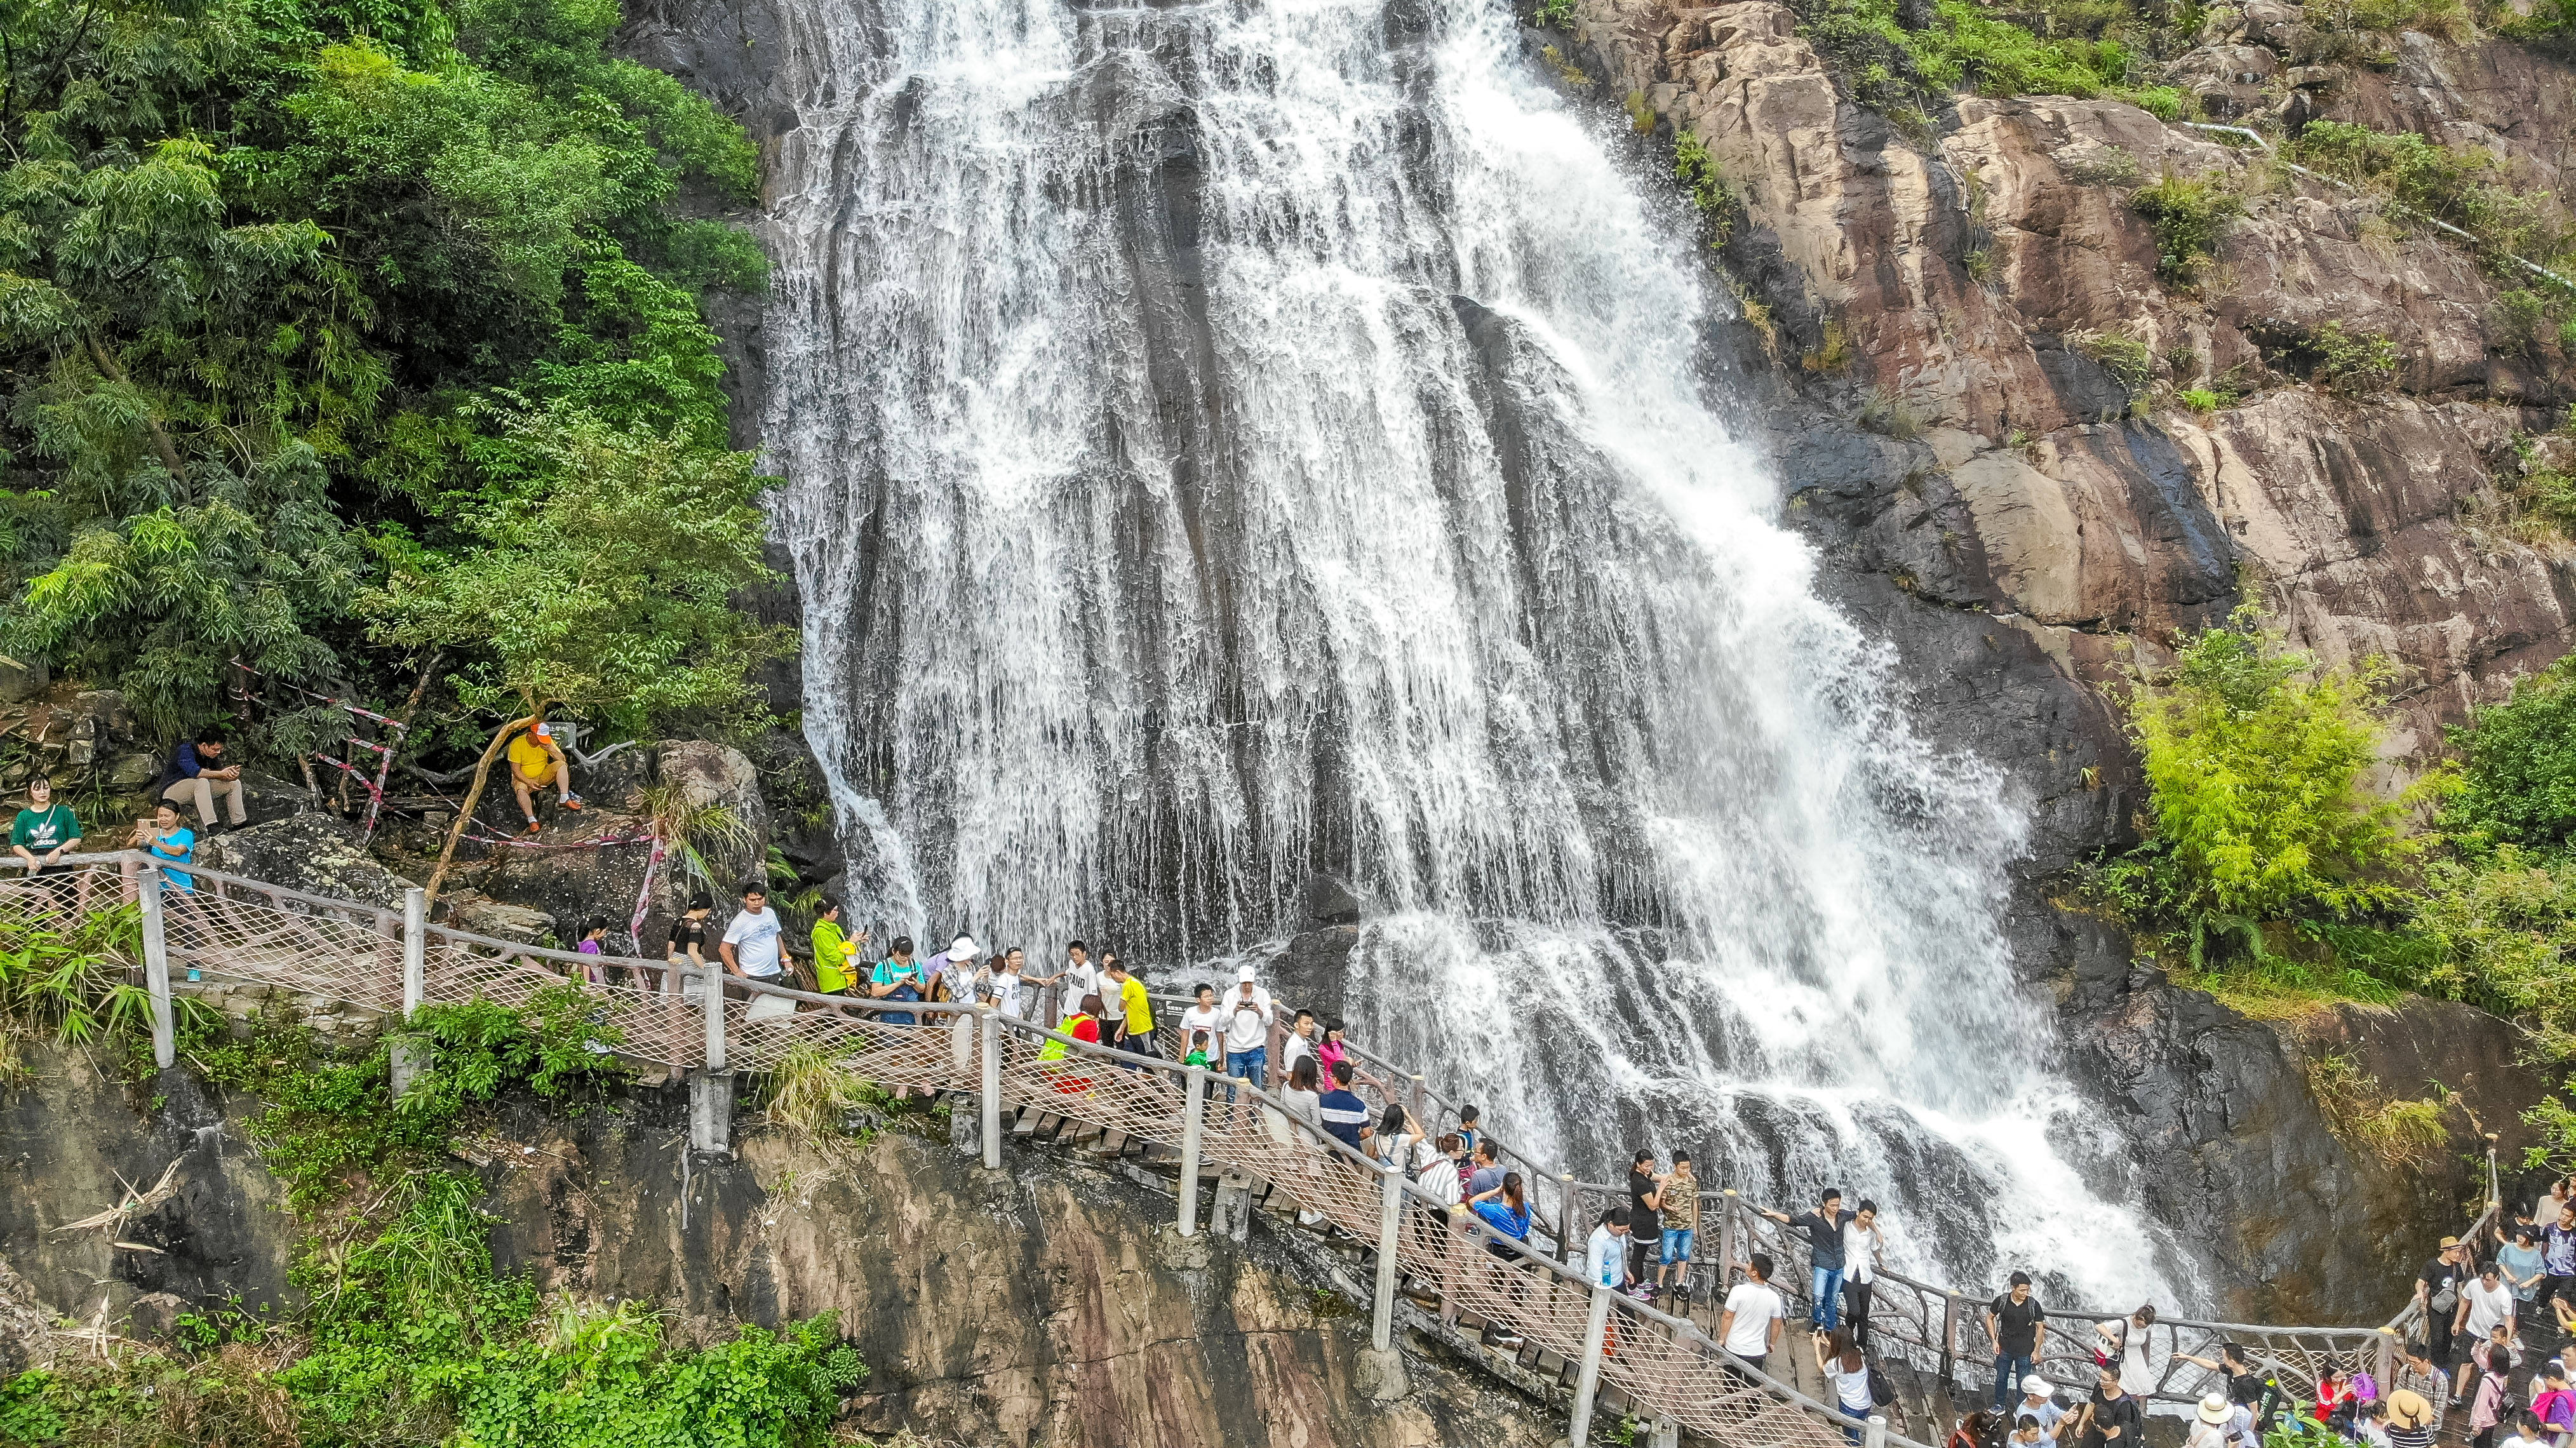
(1964, 274)
(1045, 1303)
(1922, 331)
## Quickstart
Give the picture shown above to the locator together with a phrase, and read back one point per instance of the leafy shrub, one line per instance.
(2256, 812)
(2205, 400)
(1698, 172)
(1889, 68)
(2129, 361)
(2190, 216)
(366, 224)
(1556, 14)
(69, 985)
(408, 1334)
(2520, 320)
(2547, 499)
(326, 1125)
(2517, 781)
(2505, 925)
(2354, 362)
(2551, 27)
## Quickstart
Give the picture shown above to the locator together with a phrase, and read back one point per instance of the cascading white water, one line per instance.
(1229, 441)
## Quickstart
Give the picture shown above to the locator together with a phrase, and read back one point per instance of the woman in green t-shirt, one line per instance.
(44, 831)
(833, 951)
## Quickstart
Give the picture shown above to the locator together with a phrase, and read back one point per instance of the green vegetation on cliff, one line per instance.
(2271, 872)
(309, 307)
(409, 1335)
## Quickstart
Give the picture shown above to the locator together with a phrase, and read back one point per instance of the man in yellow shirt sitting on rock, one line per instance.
(536, 761)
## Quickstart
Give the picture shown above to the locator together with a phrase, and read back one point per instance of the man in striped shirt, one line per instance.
(1345, 1116)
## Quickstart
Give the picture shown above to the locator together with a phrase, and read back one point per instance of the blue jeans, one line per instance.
(1252, 1066)
(1677, 1245)
(2010, 1369)
(1827, 1294)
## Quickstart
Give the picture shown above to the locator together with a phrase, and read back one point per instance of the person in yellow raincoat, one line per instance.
(1083, 1025)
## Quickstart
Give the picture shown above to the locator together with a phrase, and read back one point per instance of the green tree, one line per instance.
(2518, 765)
(2256, 805)
(275, 273)
(607, 586)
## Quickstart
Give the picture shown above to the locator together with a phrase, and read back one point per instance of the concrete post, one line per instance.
(1875, 1436)
(711, 1089)
(2384, 1365)
(1587, 1383)
(1390, 1226)
(1664, 1433)
(156, 970)
(415, 955)
(407, 1061)
(990, 1027)
(1566, 1213)
(1193, 1118)
(1950, 1339)
(714, 1003)
(1416, 1097)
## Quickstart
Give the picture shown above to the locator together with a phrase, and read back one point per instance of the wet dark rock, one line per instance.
(2237, 1155)
(1314, 971)
(1330, 900)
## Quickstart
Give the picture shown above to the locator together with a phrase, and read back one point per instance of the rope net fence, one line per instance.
(228, 927)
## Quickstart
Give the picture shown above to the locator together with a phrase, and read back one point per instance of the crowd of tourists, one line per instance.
(2475, 1367)
(2489, 1362)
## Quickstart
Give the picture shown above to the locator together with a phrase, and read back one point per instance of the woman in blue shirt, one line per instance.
(2519, 1261)
(167, 839)
(1506, 1211)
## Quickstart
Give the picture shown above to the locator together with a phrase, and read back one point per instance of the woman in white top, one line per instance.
(1302, 1095)
(1846, 1374)
(1863, 1246)
(2130, 1342)
(1302, 1098)
(1395, 1137)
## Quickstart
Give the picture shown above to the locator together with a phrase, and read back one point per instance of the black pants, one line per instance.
(1856, 1310)
(1642, 1255)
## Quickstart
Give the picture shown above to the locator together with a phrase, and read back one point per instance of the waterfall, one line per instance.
(1233, 441)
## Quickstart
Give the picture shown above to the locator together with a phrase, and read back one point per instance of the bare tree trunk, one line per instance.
(473, 797)
(106, 361)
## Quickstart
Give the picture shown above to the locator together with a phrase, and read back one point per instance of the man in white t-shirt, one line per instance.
(1079, 977)
(1246, 1013)
(2485, 1305)
(755, 944)
(1300, 1042)
(1202, 1016)
(1750, 1325)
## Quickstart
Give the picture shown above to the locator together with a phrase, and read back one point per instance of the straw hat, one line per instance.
(2407, 1408)
(2214, 1410)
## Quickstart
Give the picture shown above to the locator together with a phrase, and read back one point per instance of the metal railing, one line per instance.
(228, 927)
